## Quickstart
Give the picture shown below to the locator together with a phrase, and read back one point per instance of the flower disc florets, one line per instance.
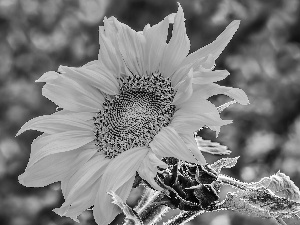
(134, 116)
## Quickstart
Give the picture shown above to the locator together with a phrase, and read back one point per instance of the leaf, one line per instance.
(262, 202)
(233, 201)
(211, 147)
(282, 186)
(224, 163)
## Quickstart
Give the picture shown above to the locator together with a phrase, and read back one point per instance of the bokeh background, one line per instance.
(263, 58)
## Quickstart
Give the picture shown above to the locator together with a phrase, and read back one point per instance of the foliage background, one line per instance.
(263, 57)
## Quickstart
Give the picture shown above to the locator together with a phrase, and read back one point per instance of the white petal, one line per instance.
(55, 143)
(208, 63)
(118, 177)
(195, 114)
(185, 90)
(86, 152)
(168, 143)
(81, 203)
(48, 170)
(110, 32)
(209, 76)
(48, 76)
(208, 90)
(181, 73)
(55, 167)
(191, 143)
(108, 54)
(216, 47)
(72, 96)
(156, 37)
(132, 46)
(86, 176)
(52, 77)
(197, 104)
(96, 76)
(178, 47)
(211, 147)
(59, 122)
(104, 210)
(148, 169)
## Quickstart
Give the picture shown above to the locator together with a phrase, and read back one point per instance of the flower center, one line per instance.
(133, 117)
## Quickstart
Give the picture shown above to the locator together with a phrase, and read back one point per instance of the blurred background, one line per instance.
(263, 58)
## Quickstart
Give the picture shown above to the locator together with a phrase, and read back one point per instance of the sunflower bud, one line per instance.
(188, 186)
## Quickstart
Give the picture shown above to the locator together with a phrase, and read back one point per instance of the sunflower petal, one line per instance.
(216, 47)
(48, 76)
(196, 113)
(168, 143)
(72, 96)
(209, 76)
(132, 46)
(211, 147)
(185, 90)
(86, 153)
(58, 122)
(178, 47)
(156, 37)
(108, 54)
(111, 210)
(190, 141)
(148, 169)
(48, 170)
(110, 31)
(55, 143)
(197, 104)
(118, 177)
(85, 176)
(81, 203)
(96, 76)
(208, 90)
(55, 167)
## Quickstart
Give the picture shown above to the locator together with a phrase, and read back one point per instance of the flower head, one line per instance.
(140, 101)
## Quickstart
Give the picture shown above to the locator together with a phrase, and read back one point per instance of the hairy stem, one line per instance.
(184, 217)
(232, 182)
(150, 208)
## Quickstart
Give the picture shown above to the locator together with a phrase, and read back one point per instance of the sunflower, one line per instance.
(142, 100)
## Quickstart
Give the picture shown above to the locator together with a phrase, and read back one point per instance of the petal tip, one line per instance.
(19, 132)
(59, 211)
(245, 101)
(236, 22)
(48, 76)
(21, 179)
(179, 7)
(234, 25)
